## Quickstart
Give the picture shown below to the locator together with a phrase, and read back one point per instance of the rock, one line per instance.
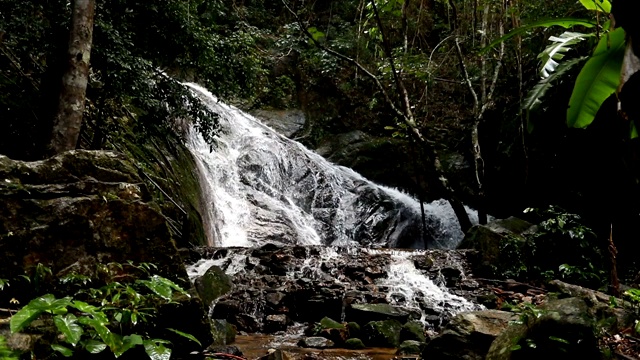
(469, 335)
(213, 284)
(558, 328)
(316, 342)
(410, 347)
(225, 349)
(364, 313)
(83, 208)
(275, 323)
(286, 122)
(223, 332)
(413, 330)
(500, 245)
(328, 323)
(385, 333)
(277, 355)
(354, 344)
(354, 329)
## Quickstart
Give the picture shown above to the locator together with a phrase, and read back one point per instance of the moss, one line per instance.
(354, 343)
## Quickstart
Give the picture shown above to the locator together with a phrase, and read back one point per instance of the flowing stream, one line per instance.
(262, 187)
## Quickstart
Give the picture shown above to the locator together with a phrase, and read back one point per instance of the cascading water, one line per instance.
(262, 187)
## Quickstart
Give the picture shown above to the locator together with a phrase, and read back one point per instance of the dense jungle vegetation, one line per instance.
(428, 75)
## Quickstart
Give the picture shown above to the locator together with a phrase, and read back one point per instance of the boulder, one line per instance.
(364, 313)
(385, 333)
(557, 330)
(273, 323)
(469, 335)
(413, 330)
(500, 245)
(81, 209)
(223, 332)
(213, 284)
(354, 344)
(410, 347)
(316, 342)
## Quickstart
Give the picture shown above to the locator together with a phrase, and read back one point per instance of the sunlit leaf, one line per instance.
(597, 5)
(94, 346)
(69, 327)
(598, 79)
(156, 350)
(186, 335)
(66, 352)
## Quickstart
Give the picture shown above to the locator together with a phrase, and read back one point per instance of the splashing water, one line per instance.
(261, 187)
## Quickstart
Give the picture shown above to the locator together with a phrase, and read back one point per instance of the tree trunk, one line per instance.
(68, 120)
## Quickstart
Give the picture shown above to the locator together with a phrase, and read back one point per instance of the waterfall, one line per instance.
(262, 187)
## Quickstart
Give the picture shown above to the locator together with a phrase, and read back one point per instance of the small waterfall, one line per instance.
(264, 188)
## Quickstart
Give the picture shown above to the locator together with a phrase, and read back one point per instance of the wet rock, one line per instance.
(328, 323)
(413, 330)
(286, 122)
(316, 342)
(354, 344)
(364, 313)
(354, 329)
(225, 349)
(275, 323)
(223, 332)
(469, 335)
(500, 245)
(278, 354)
(213, 284)
(385, 333)
(274, 298)
(561, 327)
(410, 347)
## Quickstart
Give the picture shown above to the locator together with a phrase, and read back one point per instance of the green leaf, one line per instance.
(3, 283)
(62, 350)
(34, 308)
(315, 33)
(68, 326)
(156, 350)
(94, 346)
(597, 5)
(555, 52)
(561, 340)
(186, 335)
(598, 79)
(563, 22)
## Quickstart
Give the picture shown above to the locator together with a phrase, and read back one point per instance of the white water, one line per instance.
(262, 187)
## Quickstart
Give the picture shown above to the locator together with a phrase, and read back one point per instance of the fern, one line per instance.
(556, 51)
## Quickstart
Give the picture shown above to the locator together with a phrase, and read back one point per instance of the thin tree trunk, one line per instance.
(68, 120)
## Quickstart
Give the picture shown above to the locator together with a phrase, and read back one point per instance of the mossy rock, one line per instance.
(354, 344)
(223, 332)
(354, 329)
(328, 323)
(385, 333)
(410, 347)
(413, 330)
(213, 284)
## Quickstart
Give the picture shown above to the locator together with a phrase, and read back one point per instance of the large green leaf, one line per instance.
(186, 335)
(598, 5)
(23, 318)
(69, 327)
(94, 346)
(563, 22)
(156, 350)
(62, 350)
(598, 79)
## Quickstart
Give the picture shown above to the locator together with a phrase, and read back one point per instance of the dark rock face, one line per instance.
(468, 335)
(306, 284)
(213, 284)
(563, 327)
(83, 208)
(385, 333)
(500, 245)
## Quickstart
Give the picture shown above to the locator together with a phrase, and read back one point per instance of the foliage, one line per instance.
(633, 295)
(5, 352)
(564, 246)
(135, 45)
(116, 315)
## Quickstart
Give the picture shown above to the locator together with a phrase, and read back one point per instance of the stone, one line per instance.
(500, 245)
(212, 285)
(364, 313)
(286, 122)
(561, 327)
(410, 347)
(468, 335)
(354, 344)
(224, 333)
(385, 333)
(316, 342)
(328, 323)
(413, 330)
(275, 323)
